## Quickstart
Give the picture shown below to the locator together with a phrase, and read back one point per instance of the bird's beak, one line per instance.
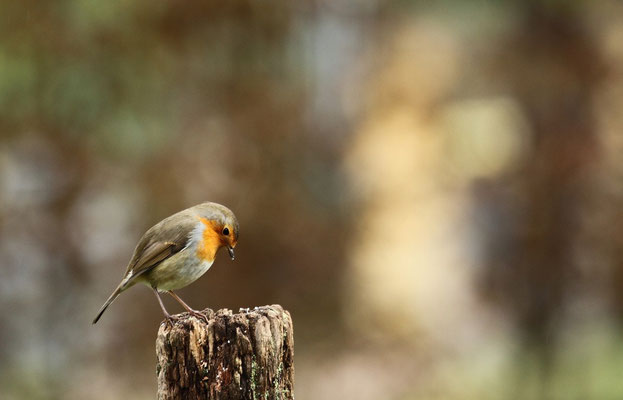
(231, 252)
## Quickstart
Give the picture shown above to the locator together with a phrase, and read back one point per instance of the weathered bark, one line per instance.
(248, 355)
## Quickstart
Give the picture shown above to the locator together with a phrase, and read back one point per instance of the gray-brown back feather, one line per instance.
(161, 241)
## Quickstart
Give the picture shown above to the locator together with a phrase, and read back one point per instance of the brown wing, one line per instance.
(160, 242)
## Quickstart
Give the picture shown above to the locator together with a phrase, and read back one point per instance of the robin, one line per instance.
(177, 251)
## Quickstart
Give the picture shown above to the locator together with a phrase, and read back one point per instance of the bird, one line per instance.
(177, 251)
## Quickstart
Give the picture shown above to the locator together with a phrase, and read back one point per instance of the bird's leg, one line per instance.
(196, 313)
(170, 318)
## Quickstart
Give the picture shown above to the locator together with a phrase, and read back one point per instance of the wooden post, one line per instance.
(244, 356)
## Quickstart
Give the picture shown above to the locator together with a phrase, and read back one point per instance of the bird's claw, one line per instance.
(199, 315)
(171, 319)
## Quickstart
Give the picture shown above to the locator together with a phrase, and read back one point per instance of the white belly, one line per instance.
(178, 271)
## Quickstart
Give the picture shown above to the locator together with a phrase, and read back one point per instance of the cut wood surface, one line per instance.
(248, 355)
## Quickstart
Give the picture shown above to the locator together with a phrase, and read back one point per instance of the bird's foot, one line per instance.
(199, 314)
(171, 319)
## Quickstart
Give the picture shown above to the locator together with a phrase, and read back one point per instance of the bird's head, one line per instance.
(220, 229)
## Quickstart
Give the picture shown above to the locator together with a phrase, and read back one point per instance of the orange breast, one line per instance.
(210, 241)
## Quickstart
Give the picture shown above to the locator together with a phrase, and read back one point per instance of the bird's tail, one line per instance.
(112, 298)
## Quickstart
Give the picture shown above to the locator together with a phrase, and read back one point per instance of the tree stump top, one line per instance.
(248, 355)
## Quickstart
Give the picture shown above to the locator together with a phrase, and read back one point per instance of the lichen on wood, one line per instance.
(248, 355)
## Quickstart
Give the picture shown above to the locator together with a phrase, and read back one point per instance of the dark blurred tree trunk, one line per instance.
(249, 355)
(555, 87)
(551, 67)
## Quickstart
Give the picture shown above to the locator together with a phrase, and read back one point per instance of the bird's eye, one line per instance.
(226, 231)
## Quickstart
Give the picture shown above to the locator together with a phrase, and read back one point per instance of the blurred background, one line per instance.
(432, 189)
